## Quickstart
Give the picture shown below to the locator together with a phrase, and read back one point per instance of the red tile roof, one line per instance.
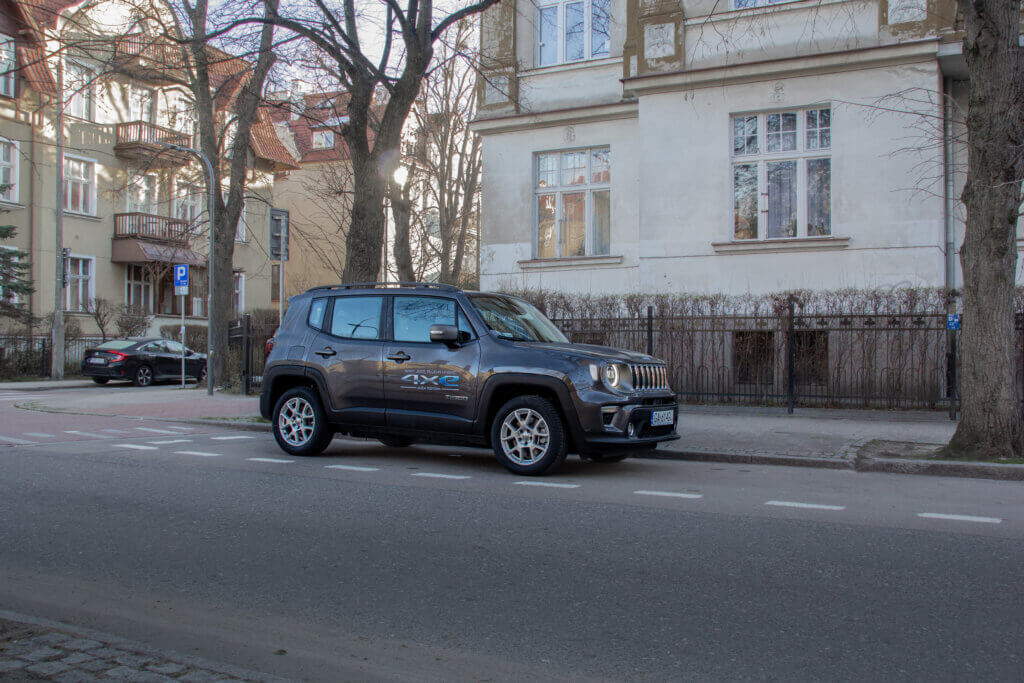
(267, 145)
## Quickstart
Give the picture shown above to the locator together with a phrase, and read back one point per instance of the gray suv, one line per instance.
(407, 363)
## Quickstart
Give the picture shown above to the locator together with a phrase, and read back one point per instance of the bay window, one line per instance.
(782, 174)
(572, 31)
(573, 203)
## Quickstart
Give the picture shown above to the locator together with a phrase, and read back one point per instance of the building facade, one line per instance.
(694, 146)
(131, 207)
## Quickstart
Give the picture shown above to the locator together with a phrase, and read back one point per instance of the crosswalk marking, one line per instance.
(669, 494)
(39, 435)
(229, 438)
(136, 447)
(154, 431)
(436, 475)
(803, 506)
(15, 441)
(201, 454)
(353, 468)
(181, 429)
(549, 484)
(168, 442)
(116, 431)
(89, 434)
(269, 460)
(960, 518)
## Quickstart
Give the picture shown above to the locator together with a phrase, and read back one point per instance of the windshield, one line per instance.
(514, 319)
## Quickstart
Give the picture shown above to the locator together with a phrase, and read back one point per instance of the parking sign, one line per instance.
(181, 279)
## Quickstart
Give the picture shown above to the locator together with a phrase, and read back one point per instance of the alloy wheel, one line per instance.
(296, 421)
(525, 436)
(144, 376)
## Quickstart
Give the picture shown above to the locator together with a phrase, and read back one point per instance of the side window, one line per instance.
(154, 347)
(316, 313)
(357, 317)
(173, 346)
(415, 314)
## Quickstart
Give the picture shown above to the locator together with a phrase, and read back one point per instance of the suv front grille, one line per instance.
(649, 377)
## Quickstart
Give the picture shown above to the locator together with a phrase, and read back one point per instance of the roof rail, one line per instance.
(388, 285)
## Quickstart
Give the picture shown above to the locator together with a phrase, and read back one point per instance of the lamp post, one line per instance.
(209, 272)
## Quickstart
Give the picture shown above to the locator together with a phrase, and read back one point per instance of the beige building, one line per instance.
(131, 208)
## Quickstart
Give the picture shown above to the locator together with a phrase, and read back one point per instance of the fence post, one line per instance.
(790, 384)
(246, 351)
(650, 330)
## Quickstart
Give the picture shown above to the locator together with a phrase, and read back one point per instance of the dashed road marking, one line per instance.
(89, 434)
(39, 435)
(670, 494)
(116, 431)
(960, 518)
(154, 431)
(168, 442)
(199, 453)
(181, 429)
(549, 484)
(803, 506)
(269, 460)
(15, 441)
(353, 468)
(437, 475)
(136, 447)
(229, 438)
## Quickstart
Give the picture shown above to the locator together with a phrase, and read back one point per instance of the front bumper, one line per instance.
(626, 422)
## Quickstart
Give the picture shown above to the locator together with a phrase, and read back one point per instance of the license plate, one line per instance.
(660, 418)
(98, 361)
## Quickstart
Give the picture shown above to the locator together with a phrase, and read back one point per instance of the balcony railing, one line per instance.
(143, 142)
(149, 58)
(149, 226)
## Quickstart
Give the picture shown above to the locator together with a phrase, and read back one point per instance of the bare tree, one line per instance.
(382, 89)
(991, 423)
(103, 313)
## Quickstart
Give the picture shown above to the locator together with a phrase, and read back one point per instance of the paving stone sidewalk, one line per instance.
(35, 649)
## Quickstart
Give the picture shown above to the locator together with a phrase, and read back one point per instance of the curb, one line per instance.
(749, 459)
(975, 470)
(177, 657)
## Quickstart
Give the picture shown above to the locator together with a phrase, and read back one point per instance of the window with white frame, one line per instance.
(323, 139)
(8, 66)
(573, 203)
(782, 174)
(572, 30)
(142, 197)
(8, 170)
(140, 104)
(239, 293)
(188, 202)
(80, 185)
(78, 84)
(80, 283)
(138, 288)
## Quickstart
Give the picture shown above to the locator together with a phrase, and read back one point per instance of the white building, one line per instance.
(734, 146)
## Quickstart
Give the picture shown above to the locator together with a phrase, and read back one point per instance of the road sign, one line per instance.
(181, 279)
(953, 321)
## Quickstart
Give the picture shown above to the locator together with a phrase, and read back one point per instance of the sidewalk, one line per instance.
(169, 402)
(33, 649)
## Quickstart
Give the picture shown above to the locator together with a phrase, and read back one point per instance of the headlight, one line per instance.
(612, 376)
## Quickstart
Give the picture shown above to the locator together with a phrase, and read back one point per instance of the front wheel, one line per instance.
(300, 424)
(528, 436)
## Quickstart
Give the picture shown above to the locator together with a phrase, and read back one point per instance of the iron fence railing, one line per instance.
(30, 356)
(248, 341)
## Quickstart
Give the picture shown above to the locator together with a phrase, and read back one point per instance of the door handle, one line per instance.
(399, 357)
(326, 352)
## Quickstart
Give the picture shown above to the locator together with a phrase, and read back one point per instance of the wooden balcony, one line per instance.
(142, 143)
(149, 59)
(150, 227)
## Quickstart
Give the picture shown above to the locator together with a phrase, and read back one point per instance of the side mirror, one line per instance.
(445, 334)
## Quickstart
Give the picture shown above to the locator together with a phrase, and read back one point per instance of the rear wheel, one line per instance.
(101, 380)
(300, 424)
(143, 376)
(528, 436)
(395, 442)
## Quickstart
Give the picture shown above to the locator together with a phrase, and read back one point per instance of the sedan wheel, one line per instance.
(143, 376)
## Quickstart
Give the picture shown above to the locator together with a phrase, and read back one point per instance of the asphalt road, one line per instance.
(435, 563)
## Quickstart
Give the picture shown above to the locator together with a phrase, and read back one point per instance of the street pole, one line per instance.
(280, 293)
(209, 266)
(183, 342)
(57, 329)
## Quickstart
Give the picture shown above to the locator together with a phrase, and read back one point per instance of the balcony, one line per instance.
(148, 59)
(150, 227)
(143, 143)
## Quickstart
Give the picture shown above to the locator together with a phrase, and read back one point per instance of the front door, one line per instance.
(347, 352)
(430, 385)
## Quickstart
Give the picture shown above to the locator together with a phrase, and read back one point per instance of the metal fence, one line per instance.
(29, 356)
(877, 361)
(247, 341)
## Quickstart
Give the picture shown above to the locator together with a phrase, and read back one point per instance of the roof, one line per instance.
(267, 145)
(45, 12)
(30, 52)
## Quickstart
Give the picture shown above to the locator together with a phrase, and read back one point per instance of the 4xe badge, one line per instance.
(417, 380)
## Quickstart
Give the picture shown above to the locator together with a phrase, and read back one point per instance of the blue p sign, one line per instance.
(181, 275)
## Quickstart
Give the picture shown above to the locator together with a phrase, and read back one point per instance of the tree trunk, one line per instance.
(365, 238)
(991, 424)
(402, 216)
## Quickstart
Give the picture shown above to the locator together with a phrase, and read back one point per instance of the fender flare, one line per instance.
(549, 382)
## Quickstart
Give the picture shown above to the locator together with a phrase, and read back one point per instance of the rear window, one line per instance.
(116, 344)
(316, 313)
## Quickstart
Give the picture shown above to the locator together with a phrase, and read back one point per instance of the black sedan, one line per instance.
(142, 360)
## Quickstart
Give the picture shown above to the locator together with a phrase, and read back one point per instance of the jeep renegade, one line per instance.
(407, 363)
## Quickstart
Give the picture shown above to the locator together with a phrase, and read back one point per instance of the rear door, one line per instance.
(430, 385)
(154, 354)
(347, 352)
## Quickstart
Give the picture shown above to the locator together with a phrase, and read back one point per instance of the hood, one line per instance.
(589, 351)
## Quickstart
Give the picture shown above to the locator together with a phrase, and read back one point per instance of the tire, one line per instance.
(395, 442)
(101, 380)
(201, 379)
(528, 436)
(300, 423)
(143, 376)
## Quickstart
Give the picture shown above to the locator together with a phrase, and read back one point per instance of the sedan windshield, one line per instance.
(514, 319)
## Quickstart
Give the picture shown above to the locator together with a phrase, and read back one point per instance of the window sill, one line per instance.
(85, 216)
(10, 205)
(783, 244)
(570, 66)
(571, 262)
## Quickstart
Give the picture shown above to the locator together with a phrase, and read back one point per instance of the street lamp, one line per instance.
(209, 273)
